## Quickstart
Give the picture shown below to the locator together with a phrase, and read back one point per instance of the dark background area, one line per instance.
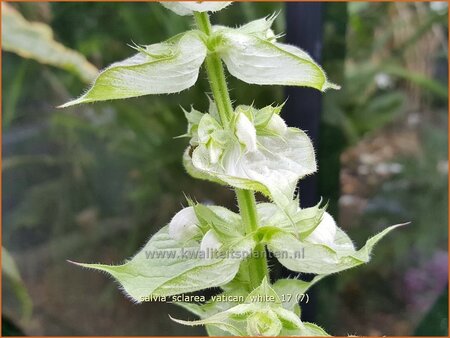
(93, 182)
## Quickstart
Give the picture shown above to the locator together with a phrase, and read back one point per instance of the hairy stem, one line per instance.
(216, 74)
(257, 263)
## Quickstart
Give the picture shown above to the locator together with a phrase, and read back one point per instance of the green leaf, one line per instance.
(288, 289)
(162, 68)
(34, 40)
(232, 320)
(11, 272)
(301, 222)
(225, 223)
(263, 294)
(189, 7)
(166, 267)
(320, 258)
(256, 60)
(216, 304)
(307, 330)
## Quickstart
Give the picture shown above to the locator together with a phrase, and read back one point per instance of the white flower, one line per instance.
(246, 132)
(184, 225)
(277, 125)
(325, 231)
(210, 243)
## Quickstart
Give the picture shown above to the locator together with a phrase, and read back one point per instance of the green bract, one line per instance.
(162, 68)
(320, 248)
(261, 314)
(250, 150)
(250, 53)
(167, 266)
(262, 155)
(172, 66)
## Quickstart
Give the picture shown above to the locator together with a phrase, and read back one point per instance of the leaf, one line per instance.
(232, 320)
(262, 293)
(225, 223)
(287, 289)
(307, 330)
(319, 258)
(34, 40)
(166, 267)
(10, 271)
(259, 315)
(255, 60)
(162, 68)
(304, 220)
(189, 7)
(216, 304)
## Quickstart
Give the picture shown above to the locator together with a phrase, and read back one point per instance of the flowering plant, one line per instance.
(242, 147)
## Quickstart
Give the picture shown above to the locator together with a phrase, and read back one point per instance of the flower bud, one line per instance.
(210, 243)
(263, 323)
(277, 125)
(325, 232)
(184, 225)
(246, 132)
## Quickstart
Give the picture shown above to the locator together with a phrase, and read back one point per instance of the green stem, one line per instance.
(257, 266)
(216, 73)
(257, 263)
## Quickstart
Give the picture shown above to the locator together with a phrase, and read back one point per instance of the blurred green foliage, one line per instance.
(377, 71)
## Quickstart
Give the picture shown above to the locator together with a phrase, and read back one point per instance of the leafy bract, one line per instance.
(189, 7)
(273, 168)
(252, 55)
(167, 267)
(11, 272)
(289, 289)
(321, 258)
(261, 314)
(34, 40)
(162, 68)
(301, 222)
(215, 305)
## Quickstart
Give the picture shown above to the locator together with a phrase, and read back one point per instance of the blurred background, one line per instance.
(93, 182)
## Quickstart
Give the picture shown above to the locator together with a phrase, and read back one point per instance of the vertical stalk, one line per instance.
(257, 263)
(216, 73)
(257, 266)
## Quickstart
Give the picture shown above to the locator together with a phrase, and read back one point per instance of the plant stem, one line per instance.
(257, 266)
(257, 263)
(216, 74)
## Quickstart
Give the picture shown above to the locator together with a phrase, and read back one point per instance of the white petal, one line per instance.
(325, 231)
(214, 152)
(184, 225)
(277, 125)
(246, 132)
(210, 243)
